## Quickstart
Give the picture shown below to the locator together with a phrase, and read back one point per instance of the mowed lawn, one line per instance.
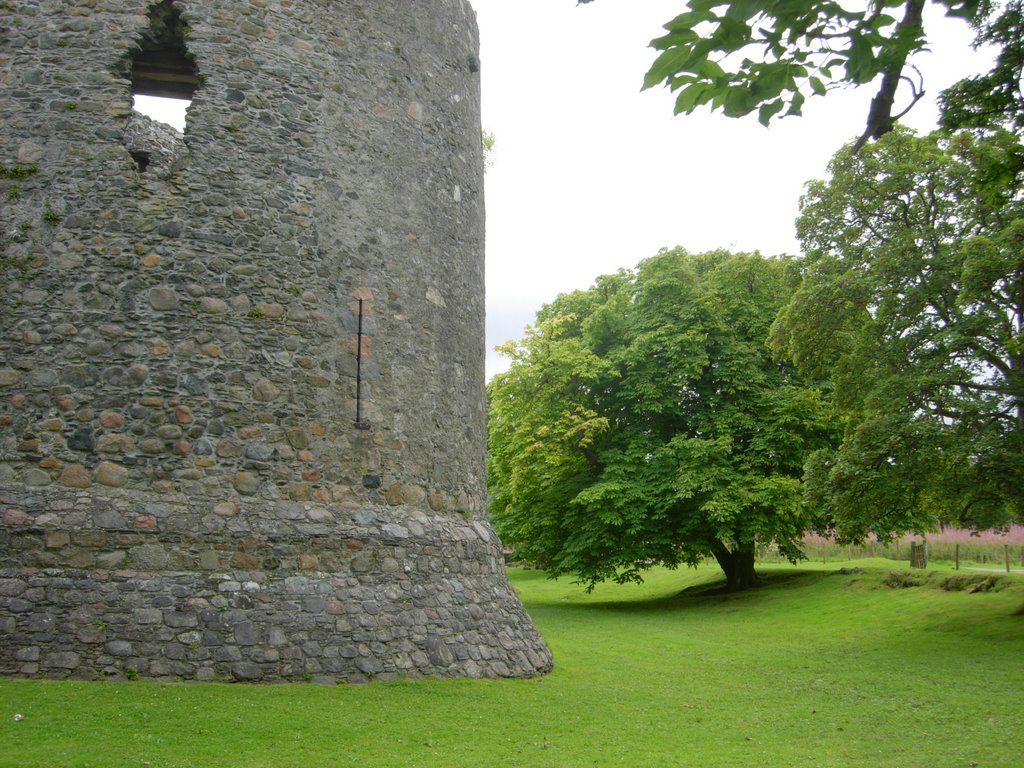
(816, 668)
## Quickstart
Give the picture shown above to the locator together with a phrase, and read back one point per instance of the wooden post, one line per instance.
(957, 556)
(1006, 554)
(918, 554)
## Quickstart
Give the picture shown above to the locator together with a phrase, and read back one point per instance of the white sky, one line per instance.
(591, 175)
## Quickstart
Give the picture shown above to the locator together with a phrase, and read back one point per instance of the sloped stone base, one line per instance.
(384, 594)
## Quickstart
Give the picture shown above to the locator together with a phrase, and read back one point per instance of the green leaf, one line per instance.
(711, 70)
(687, 21)
(667, 64)
(860, 62)
(691, 97)
(743, 10)
(770, 80)
(796, 104)
(768, 111)
(882, 21)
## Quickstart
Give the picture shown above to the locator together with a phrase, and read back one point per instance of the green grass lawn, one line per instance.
(815, 669)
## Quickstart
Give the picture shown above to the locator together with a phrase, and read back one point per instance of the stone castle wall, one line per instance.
(241, 370)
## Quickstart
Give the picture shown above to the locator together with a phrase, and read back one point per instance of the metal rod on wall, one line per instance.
(360, 424)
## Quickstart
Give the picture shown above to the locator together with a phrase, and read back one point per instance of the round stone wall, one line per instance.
(241, 369)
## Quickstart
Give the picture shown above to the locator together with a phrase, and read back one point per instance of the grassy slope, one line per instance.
(815, 669)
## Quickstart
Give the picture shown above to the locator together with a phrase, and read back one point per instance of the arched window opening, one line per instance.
(164, 78)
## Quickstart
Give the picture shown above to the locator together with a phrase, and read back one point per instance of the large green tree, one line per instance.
(644, 422)
(742, 56)
(912, 301)
(995, 98)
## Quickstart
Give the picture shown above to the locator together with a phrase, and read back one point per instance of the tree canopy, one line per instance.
(912, 302)
(742, 56)
(643, 421)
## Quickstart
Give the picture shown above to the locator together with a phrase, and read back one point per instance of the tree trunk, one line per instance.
(738, 567)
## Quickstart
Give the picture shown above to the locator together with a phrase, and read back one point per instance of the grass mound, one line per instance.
(905, 579)
(974, 582)
(959, 582)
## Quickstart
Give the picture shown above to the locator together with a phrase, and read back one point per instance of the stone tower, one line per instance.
(241, 369)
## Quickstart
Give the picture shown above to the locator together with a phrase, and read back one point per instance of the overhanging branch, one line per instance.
(880, 117)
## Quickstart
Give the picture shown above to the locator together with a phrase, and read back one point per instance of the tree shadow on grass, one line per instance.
(770, 581)
(710, 593)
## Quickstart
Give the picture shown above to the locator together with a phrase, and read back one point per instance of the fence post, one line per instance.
(1006, 555)
(957, 556)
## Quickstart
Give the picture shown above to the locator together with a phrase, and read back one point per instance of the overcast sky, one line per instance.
(590, 175)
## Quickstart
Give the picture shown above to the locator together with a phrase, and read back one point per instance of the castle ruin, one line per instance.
(242, 417)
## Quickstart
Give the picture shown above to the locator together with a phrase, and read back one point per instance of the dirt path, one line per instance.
(996, 570)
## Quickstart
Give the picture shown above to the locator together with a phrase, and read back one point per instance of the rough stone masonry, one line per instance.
(241, 369)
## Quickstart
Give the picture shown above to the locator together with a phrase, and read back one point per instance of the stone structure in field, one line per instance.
(241, 369)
